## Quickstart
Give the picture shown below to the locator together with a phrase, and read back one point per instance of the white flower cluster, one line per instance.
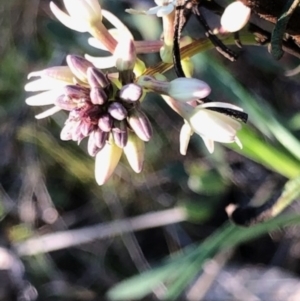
(106, 107)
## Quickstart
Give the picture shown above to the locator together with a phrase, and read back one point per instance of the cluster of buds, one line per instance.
(105, 108)
(111, 118)
(99, 110)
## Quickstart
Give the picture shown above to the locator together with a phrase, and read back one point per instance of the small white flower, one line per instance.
(81, 14)
(51, 81)
(215, 126)
(235, 17)
(210, 125)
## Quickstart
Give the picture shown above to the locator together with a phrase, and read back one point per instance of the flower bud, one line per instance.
(65, 103)
(140, 124)
(235, 17)
(105, 122)
(106, 161)
(66, 132)
(92, 148)
(86, 128)
(120, 133)
(98, 96)
(131, 93)
(75, 91)
(117, 110)
(78, 66)
(188, 89)
(100, 138)
(96, 78)
(135, 152)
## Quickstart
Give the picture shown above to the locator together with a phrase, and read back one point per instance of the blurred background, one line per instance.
(62, 237)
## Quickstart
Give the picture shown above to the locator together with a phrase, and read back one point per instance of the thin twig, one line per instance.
(72, 238)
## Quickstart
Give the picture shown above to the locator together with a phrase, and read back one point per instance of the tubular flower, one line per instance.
(235, 17)
(98, 110)
(85, 16)
(213, 121)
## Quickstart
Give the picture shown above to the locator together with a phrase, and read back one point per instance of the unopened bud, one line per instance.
(96, 78)
(75, 91)
(131, 93)
(65, 103)
(117, 110)
(106, 162)
(79, 66)
(120, 133)
(92, 148)
(135, 152)
(98, 96)
(100, 138)
(235, 17)
(188, 89)
(105, 122)
(140, 124)
(86, 128)
(66, 132)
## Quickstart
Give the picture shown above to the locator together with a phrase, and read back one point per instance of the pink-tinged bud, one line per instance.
(76, 131)
(105, 123)
(79, 66)
(66, 132)
(100, 138)
(98, 96)
(86, 128)
(131, 93)
(92, 148)
(140, 124)
(235, 17)
(65, 103)
(96, 78)
(75, 91)
(117, 110)
(120, 133)
(188, 89)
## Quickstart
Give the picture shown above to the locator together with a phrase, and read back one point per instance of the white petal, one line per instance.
(82, 10)
(48, 113)
(165, 10)
(117, 23)
(67, 20)
(101, 62)
(43, 99)
(62, 73)
(209, 143)
(238, 142)
(214, 125)
(106, 161)
(225, 105)
(184, 138)
(135, 11)
(153, 10)
(44, 84)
